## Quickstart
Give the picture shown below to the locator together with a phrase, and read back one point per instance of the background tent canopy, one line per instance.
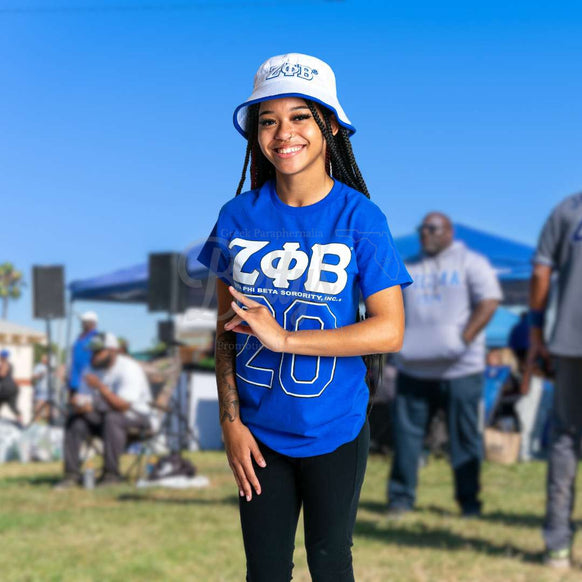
(511, 260)
(129, 285)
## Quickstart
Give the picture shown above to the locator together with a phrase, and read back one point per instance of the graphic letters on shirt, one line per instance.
(290, 263)
(325, 270)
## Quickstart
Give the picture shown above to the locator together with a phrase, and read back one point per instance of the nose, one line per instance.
(284, 131)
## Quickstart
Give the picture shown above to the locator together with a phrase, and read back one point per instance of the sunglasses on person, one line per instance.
(430, 228)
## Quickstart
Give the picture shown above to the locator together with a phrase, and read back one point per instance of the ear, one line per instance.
(334, 124)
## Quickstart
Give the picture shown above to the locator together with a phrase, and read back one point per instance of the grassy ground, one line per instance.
(121, 534)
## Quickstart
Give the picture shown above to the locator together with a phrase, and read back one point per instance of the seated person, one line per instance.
(113, 399)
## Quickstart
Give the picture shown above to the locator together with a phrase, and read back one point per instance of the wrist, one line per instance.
(287, 341)
(227, 424)
(536, 336)
(536, 318)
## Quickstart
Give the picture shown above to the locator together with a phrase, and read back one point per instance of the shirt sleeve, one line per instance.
(548, 247)
(215, 254)
(379, 263)
(482, 280)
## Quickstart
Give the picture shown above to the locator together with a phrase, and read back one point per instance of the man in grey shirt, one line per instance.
(454, 295)
(560, 251)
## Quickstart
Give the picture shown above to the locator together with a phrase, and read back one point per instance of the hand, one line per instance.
(81, 405)
(92, 381)
(260, 322)
(537, 350)
(241, 447)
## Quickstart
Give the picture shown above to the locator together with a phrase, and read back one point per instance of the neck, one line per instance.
(303, 190)
(439, 251)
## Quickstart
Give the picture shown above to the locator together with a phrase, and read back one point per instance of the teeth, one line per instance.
(289, 150)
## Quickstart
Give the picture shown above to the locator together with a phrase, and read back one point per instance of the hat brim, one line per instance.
(240, 113)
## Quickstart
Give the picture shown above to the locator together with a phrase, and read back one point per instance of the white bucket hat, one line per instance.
(293, 75)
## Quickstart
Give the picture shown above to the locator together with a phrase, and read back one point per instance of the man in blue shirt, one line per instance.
(81, 354)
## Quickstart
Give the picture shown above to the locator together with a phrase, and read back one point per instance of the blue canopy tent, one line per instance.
(511, 260)
(130, 285)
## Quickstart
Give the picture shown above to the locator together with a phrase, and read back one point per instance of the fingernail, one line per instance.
(262, 463)
(248, 497)
(242, 493)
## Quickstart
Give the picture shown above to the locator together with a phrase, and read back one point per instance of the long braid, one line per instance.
(337, 161)
(346, 145)
(244, 170)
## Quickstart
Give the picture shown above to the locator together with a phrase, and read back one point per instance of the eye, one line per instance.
(266, 122)
(301, 117)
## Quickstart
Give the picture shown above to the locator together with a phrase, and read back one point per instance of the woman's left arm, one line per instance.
(381, 332)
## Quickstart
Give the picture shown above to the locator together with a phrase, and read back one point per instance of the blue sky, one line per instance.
(116, 137)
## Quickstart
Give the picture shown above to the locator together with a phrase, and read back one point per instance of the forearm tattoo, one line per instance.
(228, 402)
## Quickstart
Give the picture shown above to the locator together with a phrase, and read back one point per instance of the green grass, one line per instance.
(121, 534)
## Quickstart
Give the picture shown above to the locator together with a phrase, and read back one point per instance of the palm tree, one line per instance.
(10, 285)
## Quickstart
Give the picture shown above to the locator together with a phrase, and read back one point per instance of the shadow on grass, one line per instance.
(39, 481)
(506, 518)
(149, 498)
(439, 539)
(374, 506)
(517, 519)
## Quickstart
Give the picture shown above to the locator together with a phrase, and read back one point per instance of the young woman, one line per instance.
(292, 256)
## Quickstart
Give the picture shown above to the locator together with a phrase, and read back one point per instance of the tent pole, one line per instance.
(68, 343)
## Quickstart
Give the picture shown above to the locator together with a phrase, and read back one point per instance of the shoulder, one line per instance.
(474, 257)
(477, 263)
(239, 203)
(568, 210)
(126, 363)
(361, 209)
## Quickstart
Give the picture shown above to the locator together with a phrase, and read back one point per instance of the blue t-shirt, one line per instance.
(81, 358)
(308, 266)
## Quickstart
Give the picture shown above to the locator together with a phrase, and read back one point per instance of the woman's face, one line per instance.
(289, 137)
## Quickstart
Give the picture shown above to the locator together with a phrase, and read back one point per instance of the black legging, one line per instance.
(9, 394)
(328, 487)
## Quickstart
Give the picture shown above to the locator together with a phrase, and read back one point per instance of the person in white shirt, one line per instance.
(113, 399)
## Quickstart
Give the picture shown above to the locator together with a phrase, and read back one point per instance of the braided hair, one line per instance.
(340, 163)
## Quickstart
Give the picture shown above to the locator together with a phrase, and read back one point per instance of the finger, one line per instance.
(246, 486)
(258, 456)
(238, 484)
(242, 313)
(252, 476)
(243, 298)
(243, 329)
(234, 321)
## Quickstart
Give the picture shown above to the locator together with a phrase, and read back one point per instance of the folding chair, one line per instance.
(171, 431)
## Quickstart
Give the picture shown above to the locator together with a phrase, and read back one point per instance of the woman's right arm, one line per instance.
(239, 443)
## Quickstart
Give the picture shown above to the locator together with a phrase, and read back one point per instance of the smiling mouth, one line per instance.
(288, 151)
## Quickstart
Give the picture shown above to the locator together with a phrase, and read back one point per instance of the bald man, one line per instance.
(454, 295)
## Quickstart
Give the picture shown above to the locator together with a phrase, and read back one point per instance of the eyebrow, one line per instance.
(292, 109)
